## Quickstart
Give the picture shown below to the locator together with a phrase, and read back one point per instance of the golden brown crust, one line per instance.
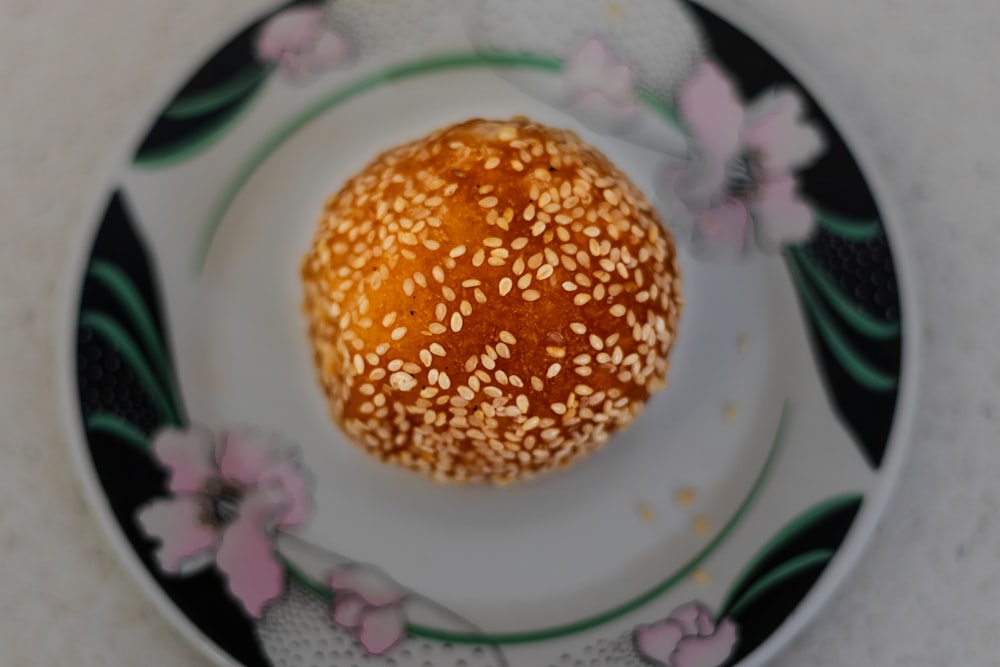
(490, 302)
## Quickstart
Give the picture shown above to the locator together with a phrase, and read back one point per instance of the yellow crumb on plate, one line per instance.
(701, 525)
(685, 497)
(701, 577)
(730, 413)
(645, 513)
(743, 343)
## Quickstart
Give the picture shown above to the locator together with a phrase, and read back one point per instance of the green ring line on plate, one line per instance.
(391, 74)
(211, 100)
(808, 561)
(119, 428)
(119, 339)
(635, 603)
(124, 290)
(788, 533)
(860, 320)
(862, 371)
(848, 230)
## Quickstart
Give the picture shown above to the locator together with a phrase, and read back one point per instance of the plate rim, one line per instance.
(747, 21)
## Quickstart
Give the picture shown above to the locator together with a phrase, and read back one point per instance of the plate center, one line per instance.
(539, 554)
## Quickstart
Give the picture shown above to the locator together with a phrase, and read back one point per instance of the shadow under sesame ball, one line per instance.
(490, 302)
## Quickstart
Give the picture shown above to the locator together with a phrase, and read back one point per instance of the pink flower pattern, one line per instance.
(301, 43)
(689, 637)
(601, 88)
(739, 178)
(369, 606)
(230, 497)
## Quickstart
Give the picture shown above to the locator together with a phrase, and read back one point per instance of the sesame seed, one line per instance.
(420, 279)
(538, 228)
(507, 133)
(501, 377)
(556, 352)
(492, 392)
(398, 333)
(438, 350)
(519, 243)
(471, 363)
(480, 295)
(536, 383)
(479, 258)
(426, 358)
(508, 337)
(581, 299)
(438, 274)
(518, 267)
(506, 285)
(583, 390)
(617, 310)
(440, 312)
(389, 319)
(517, 165)
(553, 370)
(465, 308)
(448, 293)
(503, 350)
(531, 295)
(456, 322)
(488, 362)
(569, 286)
(529, 213)
(433, 375)
(531, 424)
(550, 434)
(466, 393)
(492, 163)
(450, 189)
(457, 251)
(596, 342)
(524, 281)
(544, 272)
(583, 371)
(471, 282)
(436, 328)
(489, 202)
(402, 381)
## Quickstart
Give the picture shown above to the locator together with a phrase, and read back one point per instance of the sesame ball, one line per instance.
(490, 302)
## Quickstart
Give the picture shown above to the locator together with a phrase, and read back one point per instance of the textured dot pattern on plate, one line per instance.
(658, 38)
(381, 28)
(296, 631)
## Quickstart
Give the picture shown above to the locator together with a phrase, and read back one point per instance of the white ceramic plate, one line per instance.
(705, 535)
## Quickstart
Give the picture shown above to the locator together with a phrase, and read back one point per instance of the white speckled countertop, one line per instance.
(922, 79)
